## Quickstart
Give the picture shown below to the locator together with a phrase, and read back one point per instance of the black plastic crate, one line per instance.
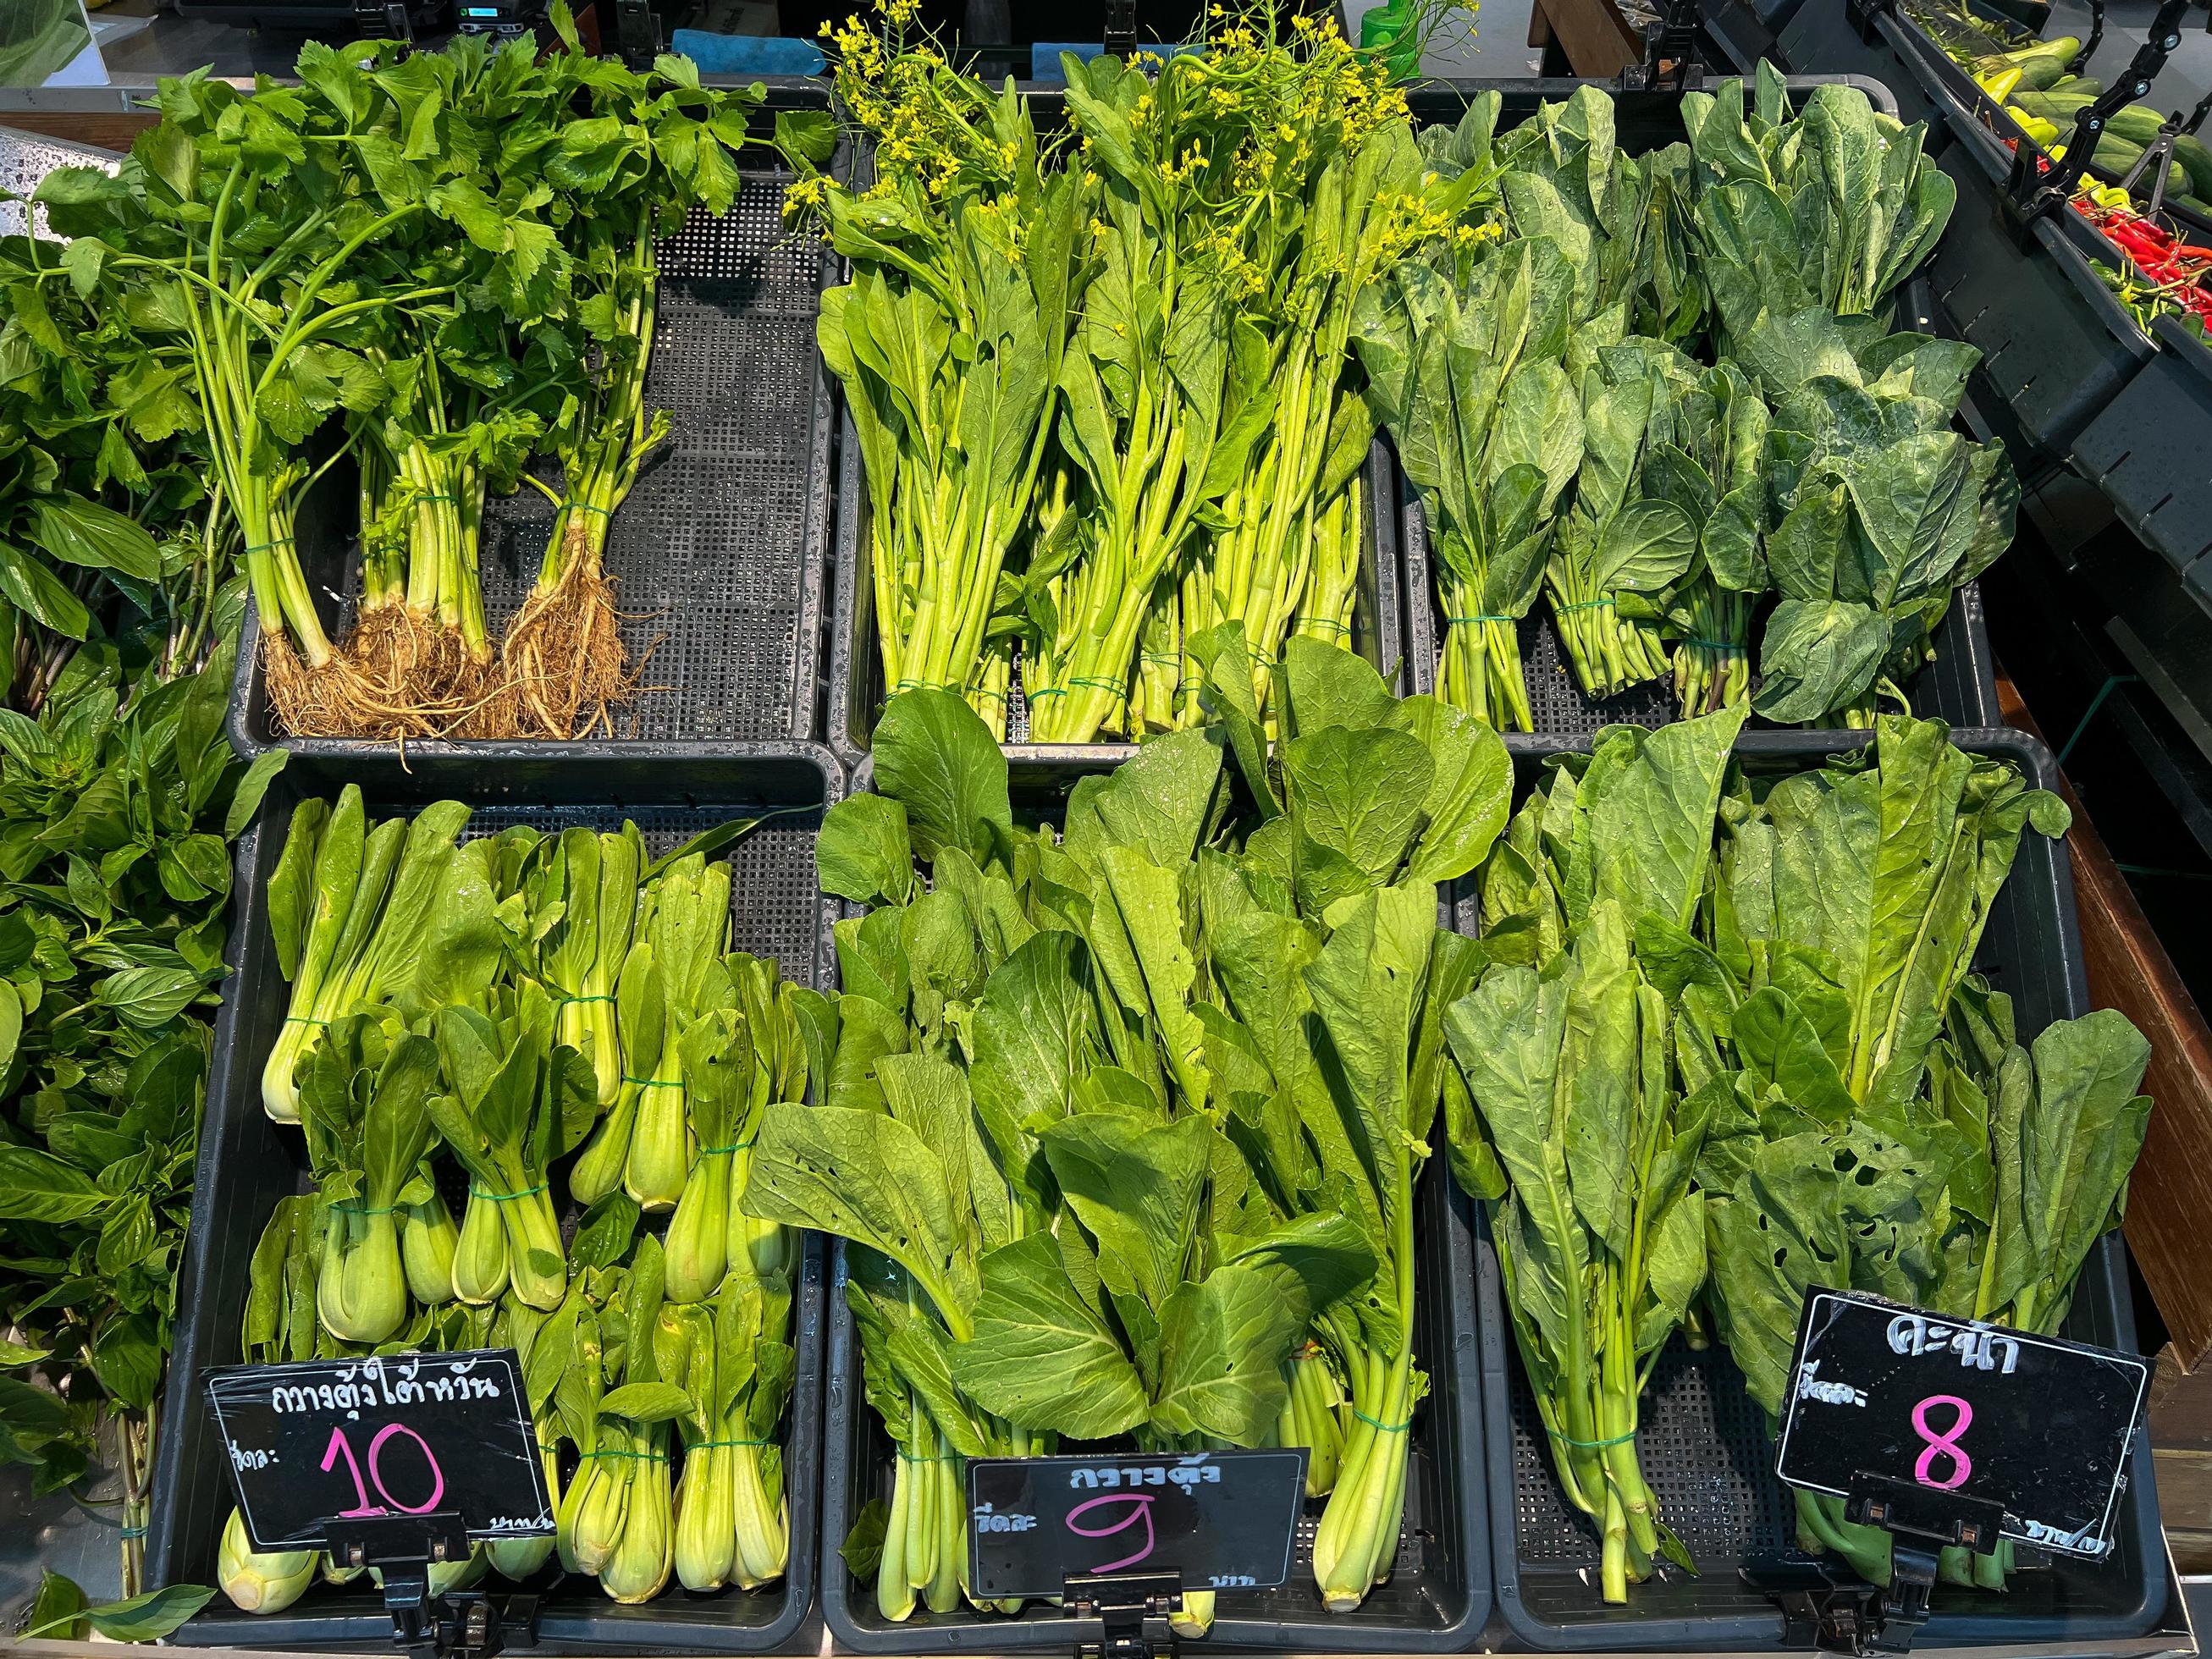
(1959, 685)
(1704, 1446)
(856, 666)
(1821, 34)
(247, 1162)
(2056, 344)
(1438, 1595)
(719, 555)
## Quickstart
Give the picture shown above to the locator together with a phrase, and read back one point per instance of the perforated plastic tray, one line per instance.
(25, 158)
(247, 1163)
(1438, 1595)
(1703, 1443)
(719, 555)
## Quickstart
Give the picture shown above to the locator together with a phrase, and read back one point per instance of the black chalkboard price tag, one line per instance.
(1222, 1520)
(335, 1440)
(1939, 1423)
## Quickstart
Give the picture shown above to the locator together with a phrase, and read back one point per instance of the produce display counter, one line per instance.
(754, 716)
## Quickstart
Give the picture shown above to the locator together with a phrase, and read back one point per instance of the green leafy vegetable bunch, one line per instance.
(1727, 1042)
(1125, 1115)
(1621, 388)
(1101, 378)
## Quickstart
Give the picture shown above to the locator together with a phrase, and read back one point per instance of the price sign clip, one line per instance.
(1121, 1603)
(402, 1548)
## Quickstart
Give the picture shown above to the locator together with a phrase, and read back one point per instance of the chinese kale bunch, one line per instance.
(1718, 311)
(1727, 1039)
(1875, 1123)
(1101, 382)
(1579, 1132)
(438, 263)
(1125, 1118)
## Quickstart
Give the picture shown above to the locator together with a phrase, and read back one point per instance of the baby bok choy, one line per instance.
(364, 916)
(517, 1101)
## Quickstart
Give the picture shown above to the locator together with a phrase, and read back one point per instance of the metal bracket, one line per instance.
(1120, 36)
(2080, 61)
(2033, 193)
(2159, 152)
(1861, 15)
(1122, 1603)
(637, 33)
(383, 19)
(1671, 39)
(402, 1548)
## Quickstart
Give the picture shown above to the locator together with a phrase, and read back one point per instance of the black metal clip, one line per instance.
(1830, 1609)
(1673, 40)
(2158, 154)
(1120, 36)
(383, 19)
(1122, 1603)
(402, 1548)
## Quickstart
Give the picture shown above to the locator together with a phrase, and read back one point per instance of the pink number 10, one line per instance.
(340, 1445)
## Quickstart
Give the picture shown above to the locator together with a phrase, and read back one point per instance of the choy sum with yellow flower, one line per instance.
(1101, 374)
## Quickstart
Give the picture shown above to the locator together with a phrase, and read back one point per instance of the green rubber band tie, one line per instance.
(1099, 685)
(1164, 662)
(427, 495)
(303, 1019)
(263, 547)
(557, 1001)
(1385, 1428)
(654, 1082)
(1049, 691)
(1330, 622)
(506, 1198)
(129, 1533)
(348, 1206)
(725, 1151)
(624, 1451)
(709, 1445)
(1711, 644)
(1589, 1445)
(905, 1456)
(1589, 604)
(587, 507)
(985, 691)
(1456, 620)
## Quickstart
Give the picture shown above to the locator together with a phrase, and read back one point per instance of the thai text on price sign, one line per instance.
(395, 1435)
(1221, 1520)
(2036, 1425)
